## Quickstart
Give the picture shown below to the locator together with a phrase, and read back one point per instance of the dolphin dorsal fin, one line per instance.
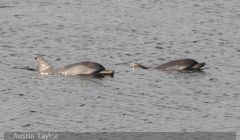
(42, 64)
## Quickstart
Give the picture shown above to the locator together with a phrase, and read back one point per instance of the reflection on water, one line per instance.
(115, 34)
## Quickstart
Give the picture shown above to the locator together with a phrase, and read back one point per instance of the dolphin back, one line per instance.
(83, 68)
(180, 64)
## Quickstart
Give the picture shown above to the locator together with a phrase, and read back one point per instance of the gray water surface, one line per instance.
(116, 33)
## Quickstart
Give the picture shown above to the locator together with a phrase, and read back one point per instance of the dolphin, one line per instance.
(80, 68)
(179, 64)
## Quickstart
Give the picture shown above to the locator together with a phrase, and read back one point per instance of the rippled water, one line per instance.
(116, 33)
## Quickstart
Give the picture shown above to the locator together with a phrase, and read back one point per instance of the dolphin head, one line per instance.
(43, 66)
(136, 65)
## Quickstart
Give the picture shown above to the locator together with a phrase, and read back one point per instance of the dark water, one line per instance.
(116, 33)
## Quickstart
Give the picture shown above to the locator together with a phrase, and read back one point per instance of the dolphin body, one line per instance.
(80, 68)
